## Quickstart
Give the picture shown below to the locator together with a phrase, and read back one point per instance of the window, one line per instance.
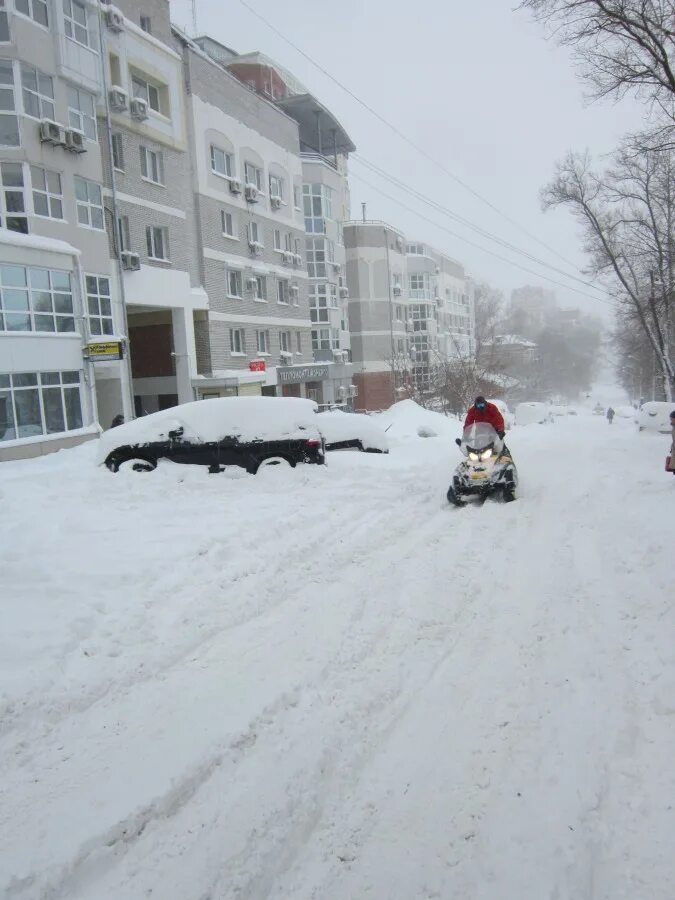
(253, 175)
(285, 341)
(419, 286)
(35, 9)
(237, 341)
(227, 223)
(152, 165)
(157, 241)
(75, 21)
(99, 305)
(5, 36)
(288, 242)
(35, 300)
(13, 214)
(298, 342)
(282, 291)
(146, 24)
(9, 123)
(296, 196)
(47, 194)
(260, 288)
(35, 403)
(38, 93)
(415, 249)
(81, 112)
(277, 239)
(318, 205)
(222, 163)
(263, 342)
(123, 233)
(319, 252)
(254, 235)
(151, 93)
(89, 203)
(234, 283)
(276, 186)
(118, 152)
(399, 314)
(318, 303)
(325, 339)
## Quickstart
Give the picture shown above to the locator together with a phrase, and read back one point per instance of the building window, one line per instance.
(415, 249)
(318, 205)
(157, 241)
(320, 251)
(146, 24)
(318, 303)
(321, 339)
(35, 300)
(34, 9)
(263, 342)
(82, 112)
(419, 286)
(152, 165)
(35, 403)
(277, 239)
(399, 314)
(47, 194)
(38, 93)
(9, 123)
(282, 291)
(5, 36)
(253, 175)
(118, 152)
(296, 196)
(89, 203)
(254, 235)
(276, 187)
(298, 342)
(285, 341)
(75, 21)
(222, 163)
(99, 305)
(234, 284)
(151, 93)
(12, 200)
(237, 341)
(227, 223)
(260, 288)
(123, 233)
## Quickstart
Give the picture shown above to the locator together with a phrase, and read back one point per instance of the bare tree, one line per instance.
(628, 218)
(620, 45)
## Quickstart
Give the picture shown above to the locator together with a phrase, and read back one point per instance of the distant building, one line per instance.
(531, 306)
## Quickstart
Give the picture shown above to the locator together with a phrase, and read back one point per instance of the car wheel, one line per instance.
(274, 461)
(135, 464)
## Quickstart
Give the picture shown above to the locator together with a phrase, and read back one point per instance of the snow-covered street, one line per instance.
(325, 683)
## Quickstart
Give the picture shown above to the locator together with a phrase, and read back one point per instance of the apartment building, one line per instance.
(59, 310)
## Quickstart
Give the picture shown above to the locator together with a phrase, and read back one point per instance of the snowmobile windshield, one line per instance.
(478, 437)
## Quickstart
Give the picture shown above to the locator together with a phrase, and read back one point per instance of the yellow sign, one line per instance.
(105, 350)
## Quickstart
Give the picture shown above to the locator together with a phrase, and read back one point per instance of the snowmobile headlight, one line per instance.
(486, 454)
(473, 456)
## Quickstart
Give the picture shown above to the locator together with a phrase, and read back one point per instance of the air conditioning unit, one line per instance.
(297, 259)
(275, 202)
(438, 270)
(52, 133)
(118, 98)
(294, 289)
(114, 19)
(130, 261)
(255, 247)
(235, 186)
(252, 283)
(286, 356)
(139, 109)
(353, 390)
(397, 290)
(287, 257)
(344, 292)
(342, 390)
(338, 355)
(251, 192)
(75, 141)
(335, 266)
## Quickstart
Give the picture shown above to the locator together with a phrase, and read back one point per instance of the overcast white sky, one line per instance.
(475, 83)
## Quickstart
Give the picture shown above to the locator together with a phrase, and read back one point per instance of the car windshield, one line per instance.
(479, 436)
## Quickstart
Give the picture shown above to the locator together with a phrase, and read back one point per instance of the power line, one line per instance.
(479, 247)
(401, 135)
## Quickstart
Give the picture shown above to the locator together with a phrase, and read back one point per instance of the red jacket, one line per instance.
(490, 414)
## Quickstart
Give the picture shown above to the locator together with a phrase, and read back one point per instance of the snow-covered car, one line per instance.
(655, 416)
(626, 412)
(344, 431)
(509, 418)
(249, 432)
(533, 413)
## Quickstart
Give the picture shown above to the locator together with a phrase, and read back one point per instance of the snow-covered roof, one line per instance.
(36, 242)
(509, 340)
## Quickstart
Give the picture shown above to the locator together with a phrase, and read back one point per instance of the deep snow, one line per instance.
(324, 683)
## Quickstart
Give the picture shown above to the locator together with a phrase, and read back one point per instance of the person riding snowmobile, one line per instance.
(482, 411)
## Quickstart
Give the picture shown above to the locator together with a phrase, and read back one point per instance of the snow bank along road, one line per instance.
(326, 684)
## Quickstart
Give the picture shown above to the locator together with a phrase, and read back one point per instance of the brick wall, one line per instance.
(156, 10)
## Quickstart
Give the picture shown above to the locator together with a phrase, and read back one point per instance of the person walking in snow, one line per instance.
(610, 415)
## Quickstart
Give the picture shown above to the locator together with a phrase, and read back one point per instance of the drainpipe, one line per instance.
(89, 377)
(125, 368)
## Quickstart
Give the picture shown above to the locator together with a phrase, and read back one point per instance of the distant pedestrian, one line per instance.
(610, 415)
(118, 420)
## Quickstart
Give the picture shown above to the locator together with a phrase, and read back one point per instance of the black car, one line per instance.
(249, 432)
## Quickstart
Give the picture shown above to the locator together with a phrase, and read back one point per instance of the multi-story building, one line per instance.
(57, 285)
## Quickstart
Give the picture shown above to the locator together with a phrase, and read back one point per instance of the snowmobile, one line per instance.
(487, 470)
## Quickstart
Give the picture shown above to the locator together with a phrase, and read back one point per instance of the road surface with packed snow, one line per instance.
(325, 683)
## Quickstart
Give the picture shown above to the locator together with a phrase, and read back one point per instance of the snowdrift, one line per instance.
(408, 420)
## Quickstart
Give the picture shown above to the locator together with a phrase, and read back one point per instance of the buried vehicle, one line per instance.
(248, 432)
(346, 431)
(488, 468)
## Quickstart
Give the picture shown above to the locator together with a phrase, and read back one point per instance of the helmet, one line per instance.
(480, 402)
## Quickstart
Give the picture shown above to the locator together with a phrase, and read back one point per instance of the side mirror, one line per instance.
(177, 433)
(458, 441)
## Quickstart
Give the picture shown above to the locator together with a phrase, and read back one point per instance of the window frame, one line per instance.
(260, 292)
(40, 98)
(122, 233)
(235, 274)
(285, 337)
(51, 197)
(239, 333)
(14, 190)
(224, 217)
(147, 86)
(88, 204)
(279, 181)
(61, 383)
(83, 118)
(97, 296)
(283, 289)
(265, 334)
(259, 179)
(69, 19)
(36, 310)
(116, 141)
(7, 87)
(152, 163)
(151, 243)
(32, 4)
(254, 229)
(228, 163)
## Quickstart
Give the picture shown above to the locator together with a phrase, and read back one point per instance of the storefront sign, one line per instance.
(105, 351)
(297, 374)
(257, 365)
